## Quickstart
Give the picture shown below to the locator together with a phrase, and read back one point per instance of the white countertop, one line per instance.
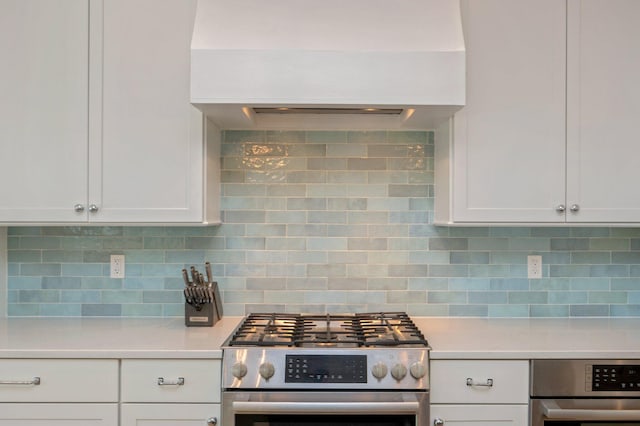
(450, 338)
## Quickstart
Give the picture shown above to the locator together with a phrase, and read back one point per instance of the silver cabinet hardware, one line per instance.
(212, 421)
(574, 208)
(78, 208)
(438, 422)
(489, 383)
(93, 208)
(163, 382)
(561, 208)
(34, 382)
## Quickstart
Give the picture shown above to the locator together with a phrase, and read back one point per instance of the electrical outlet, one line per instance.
(534, 267)
(117, 266)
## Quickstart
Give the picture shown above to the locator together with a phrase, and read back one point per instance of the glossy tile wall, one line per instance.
(327, 222)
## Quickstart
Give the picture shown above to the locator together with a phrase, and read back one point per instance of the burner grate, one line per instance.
(360, 330)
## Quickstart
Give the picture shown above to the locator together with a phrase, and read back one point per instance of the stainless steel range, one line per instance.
(363, 369)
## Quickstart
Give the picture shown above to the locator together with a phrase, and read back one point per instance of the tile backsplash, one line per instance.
(327, 222)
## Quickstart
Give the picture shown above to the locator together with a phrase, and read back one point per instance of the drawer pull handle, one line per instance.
(163, 382)
(488, 384)
(212, 421)
(34, 382)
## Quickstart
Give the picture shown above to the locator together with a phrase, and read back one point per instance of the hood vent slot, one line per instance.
(359, 111)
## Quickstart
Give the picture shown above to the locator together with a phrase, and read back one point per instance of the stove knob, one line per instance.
(379, 370)
(398, 372)
(267, 370)
(418, 370)
(239, 370)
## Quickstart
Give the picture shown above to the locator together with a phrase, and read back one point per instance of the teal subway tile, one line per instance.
(428, 230)
(190, 231)
(448, 271)
(101, 310)
(162, 296)
(13, 243)
(469, 310)
(407, 296)
(366, 298)
(625, 257)
(329, 137)
(409, 137)
(168, 309)
(121, 296)
(25, 256)
(82, 269)
(265, 256)
(618, 244)
(174, 243)
(521, 271)
(287, 243)
(556, 257)
(488, 244)
(512, 232)
(351, 203)
(549, 311)
(122, 243)
(177, 283)
(266, 230)
(607, 297)
(42, 243)
(528, 297)
(326, 270)
(609, 271)
(571, 244)
(81, 243)
(13, 269)
(424, 283)
(634, 244)
(38, 296)
(347, 177)
(570, 271)
(530, 244)
(346, 150)
(408, 217)
(469, 257)
(473, 232)
(104, 282)
(509, 258)
(425, 204)
(320, 190)
(63, 256)
(436, 243)
(327, 164)
(625, 310)
(550, 284)
(568, 297)
(271, 296)
(367, 137)
(288, 136)
(550, 232)
(146, 231)
(429, 310)
(634, 271)
(508, 311)
(145, 310)
(590, 284)
(422, 164)
(247, 243)
(23, 310)
(80, 296)
(236, 136)
(190, 256)
(24, 283)
(326, 217)
(306, 203)
(12, 296)
(589, 310)
(259, 283)
(618, 284)
(304, 283)
(591, 257)
(137, 283)
(311, 230)
(458, 297)
(468, 284)
(487, 297)
(52, 283)
(91, 231)
(489, 270)
(427, 257)
(244, 190)
(60, 310)
(625, 232)
(410, 270)
(392, 284)
(206, 243)
(242, 296)
(142, 256)
(245, 270)
(94, 256)
(367, 218)
(161, 270)
(24, 230)
(590, 232)
(308, 176)
(286, 217)
(392, 175)
(509, 284)
(397, 230)
(408, 190)
(40, 269)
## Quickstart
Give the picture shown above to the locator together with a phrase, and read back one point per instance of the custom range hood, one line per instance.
(328, 64)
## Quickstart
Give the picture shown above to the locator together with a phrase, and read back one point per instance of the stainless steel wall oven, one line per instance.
(585, 393)
(317, 370)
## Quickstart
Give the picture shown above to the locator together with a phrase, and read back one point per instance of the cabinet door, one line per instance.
(147, 161)
(43, 109)
(480, 415)
(58, 414)
(509, 140)
(603, 107)
(173, 414)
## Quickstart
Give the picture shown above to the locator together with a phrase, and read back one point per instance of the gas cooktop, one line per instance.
(385, 329)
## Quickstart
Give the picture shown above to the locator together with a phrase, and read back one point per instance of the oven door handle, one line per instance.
(289, 407)
(552, 411)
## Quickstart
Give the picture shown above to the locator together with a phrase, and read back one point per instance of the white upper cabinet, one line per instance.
(99, 114)
(603, 108)
(43, 109)
(546, 136)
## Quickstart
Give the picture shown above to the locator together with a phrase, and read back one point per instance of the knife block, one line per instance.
(205, 317)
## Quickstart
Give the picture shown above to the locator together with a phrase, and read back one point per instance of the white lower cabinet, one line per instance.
(479, 392)
(176, 392)
(58, 392)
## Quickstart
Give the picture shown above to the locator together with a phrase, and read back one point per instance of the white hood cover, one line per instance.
(340, 54)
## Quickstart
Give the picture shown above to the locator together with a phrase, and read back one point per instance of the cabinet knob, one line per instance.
(93, 208)
(561, 208)
(212, 421)
(438, 422)
(78, 208)
(574, 208)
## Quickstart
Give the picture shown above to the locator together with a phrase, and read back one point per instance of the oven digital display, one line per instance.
(326, 369)
(615, 378)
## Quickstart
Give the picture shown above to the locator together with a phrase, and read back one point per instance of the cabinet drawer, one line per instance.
(145, 380)
(509, 382)
(59, 380)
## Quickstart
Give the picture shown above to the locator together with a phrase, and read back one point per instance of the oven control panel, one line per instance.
(326, 369)
(618, 377)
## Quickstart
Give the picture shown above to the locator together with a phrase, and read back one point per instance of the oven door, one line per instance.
(585, 412)
(311, 408)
